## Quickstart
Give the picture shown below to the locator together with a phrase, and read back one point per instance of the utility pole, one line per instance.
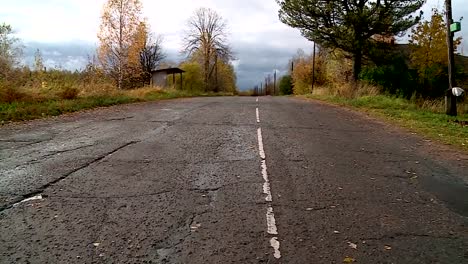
(450, 98)
(313, 69)
(292, 73)
(274, 84)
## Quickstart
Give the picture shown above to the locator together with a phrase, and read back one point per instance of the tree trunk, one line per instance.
(120, 81)
(121, 25)
(357, 64)
(216, 73)
(207, 67)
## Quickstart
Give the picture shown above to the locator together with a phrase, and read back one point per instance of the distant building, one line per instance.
(384, 38)
(159, 78)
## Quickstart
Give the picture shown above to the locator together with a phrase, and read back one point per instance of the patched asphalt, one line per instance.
(180, 182)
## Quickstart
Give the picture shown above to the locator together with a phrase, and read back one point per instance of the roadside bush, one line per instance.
(9, 94)
(395, 78)
(285, 85)
(69, 93)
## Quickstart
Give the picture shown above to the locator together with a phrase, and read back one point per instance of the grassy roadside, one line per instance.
(429, 123)
(28, 110)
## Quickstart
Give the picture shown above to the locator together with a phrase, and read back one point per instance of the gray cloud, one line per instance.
(255, 63)
(261, 43)
(69, 56)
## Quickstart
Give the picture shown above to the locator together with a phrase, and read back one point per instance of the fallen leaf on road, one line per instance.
(352, 245)
(195, 227)
(348, 260)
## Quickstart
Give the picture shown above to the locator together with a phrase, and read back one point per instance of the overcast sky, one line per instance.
(65, 30)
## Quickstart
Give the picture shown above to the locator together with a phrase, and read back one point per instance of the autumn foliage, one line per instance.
(429, 47)
(120, 36)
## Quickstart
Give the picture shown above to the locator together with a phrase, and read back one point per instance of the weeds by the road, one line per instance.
(33, 108)
(424, 117)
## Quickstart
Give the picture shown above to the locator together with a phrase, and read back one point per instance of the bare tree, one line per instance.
(152, 55)
(207, 36)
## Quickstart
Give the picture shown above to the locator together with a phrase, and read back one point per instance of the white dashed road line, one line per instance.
(270, 215)
(266, 184)
(260, 144)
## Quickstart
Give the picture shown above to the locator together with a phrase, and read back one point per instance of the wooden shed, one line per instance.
(159, 77)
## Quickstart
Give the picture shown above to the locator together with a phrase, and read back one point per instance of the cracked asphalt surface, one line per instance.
(180, 182)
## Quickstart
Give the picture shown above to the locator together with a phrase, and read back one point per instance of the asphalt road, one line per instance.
(211, 180)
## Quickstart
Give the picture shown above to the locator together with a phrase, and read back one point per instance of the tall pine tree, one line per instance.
(349, 25)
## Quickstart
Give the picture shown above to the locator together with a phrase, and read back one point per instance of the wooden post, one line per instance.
(181, 81)
(173, 80)
(274, 84)
(450, 99)
(313, 70)
(292, 73)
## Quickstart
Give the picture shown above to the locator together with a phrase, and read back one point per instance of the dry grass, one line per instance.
(246, 93)
(347, 90)
(97, 89)
(145, 91)
(26, 104)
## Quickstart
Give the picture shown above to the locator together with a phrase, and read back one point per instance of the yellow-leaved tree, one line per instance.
(428, 43)
(119, 36)
(302, 73)
(135, 75)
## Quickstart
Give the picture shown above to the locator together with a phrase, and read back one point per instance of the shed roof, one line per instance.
(169, 70)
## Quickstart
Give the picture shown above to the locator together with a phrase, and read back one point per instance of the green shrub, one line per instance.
(285, 85)
(395, 78)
